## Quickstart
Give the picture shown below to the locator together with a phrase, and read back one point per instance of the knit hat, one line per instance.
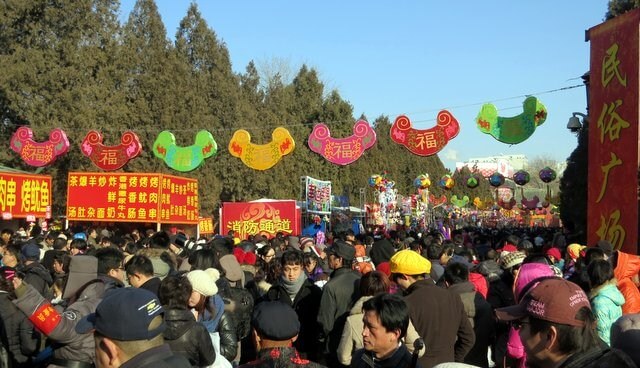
(275, 320)
(513, 259)
(30, 251)
(573, 250)
(409, 262)
(305, 241)
(508, 248)
(204, 282)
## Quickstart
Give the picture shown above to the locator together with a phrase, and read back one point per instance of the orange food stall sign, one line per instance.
(25, 196)
(260, 217)
(205, 225)
(131, 197)
(612, 207)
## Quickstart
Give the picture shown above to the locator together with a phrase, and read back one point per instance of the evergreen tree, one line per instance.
(618, 7)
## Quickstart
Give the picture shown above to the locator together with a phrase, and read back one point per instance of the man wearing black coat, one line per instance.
(295, 289)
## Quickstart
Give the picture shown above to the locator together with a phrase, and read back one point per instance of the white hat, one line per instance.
(204, 282)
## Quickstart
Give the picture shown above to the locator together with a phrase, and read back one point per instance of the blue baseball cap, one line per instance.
(124, 315)
(82, 236)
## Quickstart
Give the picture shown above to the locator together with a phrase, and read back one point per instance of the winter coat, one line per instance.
(17, 333)
(480, 316)
(401, 358)
(222, 324)
(39, 277)
(338, 295)
(306, 304)
(481, 284)
(188, 338)
(439, 317)
(627, 266)
(596, 358)
(280, 358)
(153, 285)
(351, 339)
(157, 357)
(59, 325)
(606, 303)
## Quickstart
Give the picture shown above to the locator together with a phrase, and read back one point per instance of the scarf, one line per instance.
(292, 287)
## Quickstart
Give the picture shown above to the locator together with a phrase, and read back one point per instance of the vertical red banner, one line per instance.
(612, 209)
(179, 200)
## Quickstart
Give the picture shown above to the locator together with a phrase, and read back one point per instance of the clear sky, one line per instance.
(417, 57)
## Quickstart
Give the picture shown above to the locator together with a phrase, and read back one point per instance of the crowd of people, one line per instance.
(103, 297)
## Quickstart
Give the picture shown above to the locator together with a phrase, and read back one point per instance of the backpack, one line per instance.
(362, 263)
(238, 302)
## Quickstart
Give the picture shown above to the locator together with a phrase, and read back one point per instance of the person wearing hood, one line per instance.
(184, 335)
(208, 309)
(35, 274)
(606, 300)
(83, 290)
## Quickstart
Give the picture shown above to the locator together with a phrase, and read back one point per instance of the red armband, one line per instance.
(45, 318)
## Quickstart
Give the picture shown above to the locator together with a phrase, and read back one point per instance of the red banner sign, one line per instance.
(205, 225)
(131, 197)
(25, 196)
(250, 218)
(613, 132)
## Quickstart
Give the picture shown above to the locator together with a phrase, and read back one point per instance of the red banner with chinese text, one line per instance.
(267, 218)
(131, 197)
(24, 196)
(205, 225)
(179, 201)
(612, 209)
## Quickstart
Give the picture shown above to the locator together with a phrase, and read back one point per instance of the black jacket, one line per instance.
(228, 337)
(153, 285)
(39, 277)
(17, 333)
(401, 358)
(157, 357)
(188, 338)
(306, 304)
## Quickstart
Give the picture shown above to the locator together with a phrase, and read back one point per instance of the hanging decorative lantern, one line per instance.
(496, 179)
(447, 182)
(473, 181)
(547, 174)
(521, 177)
(422, 181)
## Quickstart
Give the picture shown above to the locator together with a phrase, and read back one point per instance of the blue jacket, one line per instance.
(606, 302)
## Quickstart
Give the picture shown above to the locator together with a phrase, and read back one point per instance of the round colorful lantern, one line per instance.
(521, 177)
(422, 181)
(496, 179)
(375, 180)
(473, 181)
(547, 174)
(447, 182)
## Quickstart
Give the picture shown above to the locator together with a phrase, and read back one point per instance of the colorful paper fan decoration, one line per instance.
(521, 177)
(261, 156)
(110, 158)
(514, 129)
(342, 151)
(39, 154)
(447, 182)
(425, 142)
(422, 181)
(184, 158)
(496, 179)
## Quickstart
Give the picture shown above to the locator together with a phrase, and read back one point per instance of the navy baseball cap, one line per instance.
(124, 315)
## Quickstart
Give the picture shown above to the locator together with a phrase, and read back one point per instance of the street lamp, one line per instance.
(574, 124)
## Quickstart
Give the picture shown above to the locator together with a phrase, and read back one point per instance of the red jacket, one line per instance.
(628, 265)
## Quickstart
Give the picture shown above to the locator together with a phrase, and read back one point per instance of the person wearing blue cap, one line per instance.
(275, 328)
(127, 329)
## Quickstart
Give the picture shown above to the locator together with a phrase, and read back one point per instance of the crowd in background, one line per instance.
(376, 299)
